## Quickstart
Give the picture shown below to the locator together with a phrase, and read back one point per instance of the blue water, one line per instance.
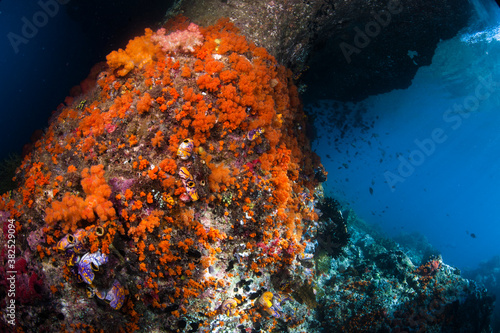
(40, 61)
(36, 72)
(426, 159)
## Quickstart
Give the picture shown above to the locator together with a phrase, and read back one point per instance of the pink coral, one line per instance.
(183, 41)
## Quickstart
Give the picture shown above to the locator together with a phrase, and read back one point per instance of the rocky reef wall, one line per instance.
(176, 191)
(344, 50)
(177, 187)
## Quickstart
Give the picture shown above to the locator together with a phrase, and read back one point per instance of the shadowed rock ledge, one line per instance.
(346, 50)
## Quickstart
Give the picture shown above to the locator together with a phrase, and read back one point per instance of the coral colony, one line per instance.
(175, 191)
(177, 186)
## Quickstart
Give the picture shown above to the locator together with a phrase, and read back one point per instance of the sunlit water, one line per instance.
(427, 158)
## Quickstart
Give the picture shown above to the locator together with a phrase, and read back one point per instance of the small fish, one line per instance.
(371, 190)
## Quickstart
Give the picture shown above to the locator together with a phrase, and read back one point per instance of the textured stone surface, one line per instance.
(282, 27)
(308, 35)
(171, 153)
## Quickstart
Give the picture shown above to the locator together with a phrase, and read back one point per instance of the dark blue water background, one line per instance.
(39, 66)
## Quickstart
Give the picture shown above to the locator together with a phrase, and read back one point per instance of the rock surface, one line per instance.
(348, 50)
(177, 189)
(178, 192)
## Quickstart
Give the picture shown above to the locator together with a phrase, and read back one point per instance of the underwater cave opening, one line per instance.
(424, 159)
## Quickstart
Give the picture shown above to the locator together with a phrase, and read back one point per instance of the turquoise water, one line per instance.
(426, 158)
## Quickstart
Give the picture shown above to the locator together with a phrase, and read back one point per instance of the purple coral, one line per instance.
(35, 238)
(183, 41)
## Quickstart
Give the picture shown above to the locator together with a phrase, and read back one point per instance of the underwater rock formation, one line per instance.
(376, 285)
(172, 193)
(373, 49)
(488, 274)
(178, 193)
(347, 50)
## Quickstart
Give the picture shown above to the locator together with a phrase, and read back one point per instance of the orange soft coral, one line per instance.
(139, 52)
(69, 209)
(207, 82)
(158, 139)
(98, 193)
(72, 208)
(228, 76)
(186, 72)
(144, 104)
(213, 66)
(220, 176)
(147, 224)
(216, 93)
